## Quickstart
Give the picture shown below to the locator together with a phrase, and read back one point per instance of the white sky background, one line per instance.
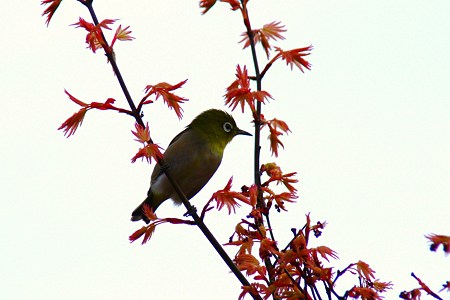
(370, 141)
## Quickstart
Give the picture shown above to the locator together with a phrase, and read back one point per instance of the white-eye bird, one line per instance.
(192, 158)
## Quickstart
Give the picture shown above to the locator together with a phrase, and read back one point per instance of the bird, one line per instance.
(192, 158)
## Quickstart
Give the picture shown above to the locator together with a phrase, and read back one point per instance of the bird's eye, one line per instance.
(227, 126)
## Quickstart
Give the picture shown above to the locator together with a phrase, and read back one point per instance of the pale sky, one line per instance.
(370, 142)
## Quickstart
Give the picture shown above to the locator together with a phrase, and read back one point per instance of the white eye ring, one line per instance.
(227, 126)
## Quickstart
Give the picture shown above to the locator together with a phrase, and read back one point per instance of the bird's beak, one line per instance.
(242, 132)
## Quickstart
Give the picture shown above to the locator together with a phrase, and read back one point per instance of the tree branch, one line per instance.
(191, 210)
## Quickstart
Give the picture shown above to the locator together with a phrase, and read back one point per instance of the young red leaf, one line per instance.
(148, 212)
(326, 252)
(122, 35)
(51, 9)
(248, 263)
(108, 104)
(235, 4)
(94, 37)
(267, 248)
(425, 287)
(206, 5)
(272, 170)
(71, 124)
(365, 271)
(261, 96)
(164, 90)
(253, 289)
(275, 142)
(253, 195)
(149, 152)
(411, 295)
(107, 22)
(364, 293)
(446, 286)
(226, 197)
(279, 124)
(137, 234)
(239, 92)
(77, 101)
(382, 286)
(142, 133)
(149, 232)
(437, 240)
(284, 197)
(295, 57)
(271, 31)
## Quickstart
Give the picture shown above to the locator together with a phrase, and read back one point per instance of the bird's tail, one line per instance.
(138, 213)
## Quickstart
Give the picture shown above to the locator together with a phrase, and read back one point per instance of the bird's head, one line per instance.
(217, 126)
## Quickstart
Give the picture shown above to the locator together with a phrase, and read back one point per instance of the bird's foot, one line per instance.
(190, 211)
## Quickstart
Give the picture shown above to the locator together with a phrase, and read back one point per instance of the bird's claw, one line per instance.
(190, 211)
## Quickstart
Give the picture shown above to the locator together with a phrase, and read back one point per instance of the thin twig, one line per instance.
(257, 120)
(426, 288)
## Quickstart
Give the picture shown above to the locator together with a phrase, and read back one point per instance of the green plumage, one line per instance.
(192, 157)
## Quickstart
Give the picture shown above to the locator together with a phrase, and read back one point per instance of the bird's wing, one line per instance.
(157, 170)
(178, 136)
